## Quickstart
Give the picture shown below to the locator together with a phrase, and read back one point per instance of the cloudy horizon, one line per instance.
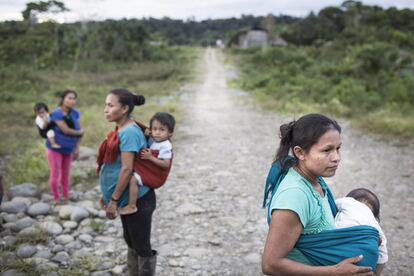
(84, 10)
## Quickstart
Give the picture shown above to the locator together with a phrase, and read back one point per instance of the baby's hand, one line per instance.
(102, 203)
(146, 154)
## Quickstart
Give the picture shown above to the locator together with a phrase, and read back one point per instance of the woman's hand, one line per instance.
(111, 210)
(81, 132)
(348, 267)
(75, 153)
(102, 203)
(146, 154)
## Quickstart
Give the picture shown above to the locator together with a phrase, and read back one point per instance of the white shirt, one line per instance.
(40, 122)
(351, 212)
(164, 148)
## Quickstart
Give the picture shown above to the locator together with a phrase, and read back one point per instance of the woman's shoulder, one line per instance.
(57, 113)
(131, 138)
(292, 179)
(131, 130)
(293, 185)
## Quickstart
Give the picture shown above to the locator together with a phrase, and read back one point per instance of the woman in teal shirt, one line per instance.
(118, 155)
(300, 205)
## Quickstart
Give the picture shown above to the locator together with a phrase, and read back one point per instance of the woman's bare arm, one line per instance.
(67, 130)
(127, 161)
(284, 231)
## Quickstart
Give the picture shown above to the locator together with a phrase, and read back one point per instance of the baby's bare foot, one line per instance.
(127, 210)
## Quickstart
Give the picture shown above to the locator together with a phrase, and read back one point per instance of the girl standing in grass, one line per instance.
(68, 133)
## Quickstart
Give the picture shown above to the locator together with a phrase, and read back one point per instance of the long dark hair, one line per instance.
(127, 98)
(304, 132)
(65, 93)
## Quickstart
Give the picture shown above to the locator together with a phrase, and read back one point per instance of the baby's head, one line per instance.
(41, 109)
(368, 198)
(162, 126)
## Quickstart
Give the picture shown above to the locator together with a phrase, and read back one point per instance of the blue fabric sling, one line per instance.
(331, 246)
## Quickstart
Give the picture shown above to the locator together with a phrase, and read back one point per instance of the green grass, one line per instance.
(86, 264)
(24, 266)
(21, 87)
(298, 80)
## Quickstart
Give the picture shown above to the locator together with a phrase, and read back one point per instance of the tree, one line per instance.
(33, 9)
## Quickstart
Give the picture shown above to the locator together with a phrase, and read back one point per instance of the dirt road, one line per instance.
(209, 220)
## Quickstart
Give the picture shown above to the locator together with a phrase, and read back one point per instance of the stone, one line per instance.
(39, 209)
(10, 218)
(79, 214)
(12, 272)
(86, 153)
(58, 248)
(101, 214)
(101, 273)
(105, 265)
(64, 239)
(83, 252)
(48, 266)
(118, 270)
(44, 254)
(70, 224)
(173, 263)
(252, 258)
(189, 208)
(9, 240)
(62, 258)
(24, 190)
(13, 207)
(85, 238)
(75, 195)
(23, 223)
(46, 197)
(65, 211)
(86, 203)
(29, 232)
(52, 228)
(26, 251)
(104, 239)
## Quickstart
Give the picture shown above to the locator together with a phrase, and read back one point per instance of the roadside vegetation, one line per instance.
(40, 60)
(353, 61)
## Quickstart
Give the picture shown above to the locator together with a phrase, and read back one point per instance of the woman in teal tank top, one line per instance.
(300, 204)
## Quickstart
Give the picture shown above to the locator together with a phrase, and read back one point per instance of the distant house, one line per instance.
(253, 38)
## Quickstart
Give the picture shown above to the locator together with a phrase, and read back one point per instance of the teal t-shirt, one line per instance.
(295, 193)
(131, 139)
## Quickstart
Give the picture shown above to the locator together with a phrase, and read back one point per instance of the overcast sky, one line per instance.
(81, 10)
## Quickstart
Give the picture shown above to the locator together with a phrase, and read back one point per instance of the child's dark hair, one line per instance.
(304, 132)
(40, 106)
(362, 194)
(165, 119)
(127, 98)
(65, 93)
